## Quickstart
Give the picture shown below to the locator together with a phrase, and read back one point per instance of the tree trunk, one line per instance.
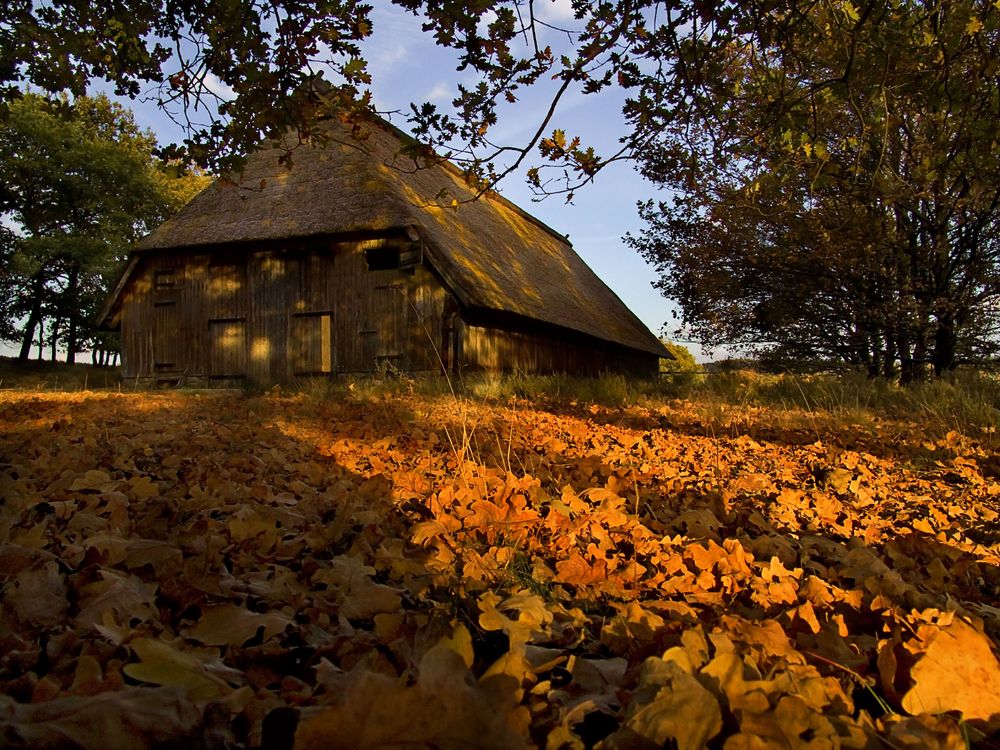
(73, 311)
(945, 341)
(905, 355)
(919, 358)
(889, 359)
(874, 358)
(55, 338)
(34, 317)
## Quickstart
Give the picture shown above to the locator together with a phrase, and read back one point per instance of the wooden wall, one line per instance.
(275, 313)
(270, 315)
(494, 347)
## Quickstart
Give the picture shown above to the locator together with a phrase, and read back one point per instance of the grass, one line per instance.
(967, 401)
(33, 375)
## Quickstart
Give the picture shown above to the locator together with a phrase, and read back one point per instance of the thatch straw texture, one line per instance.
(492, 254)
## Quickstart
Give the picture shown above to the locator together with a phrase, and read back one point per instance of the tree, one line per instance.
(860, 220)
(833, 168)
(186, 52)
(78, 184)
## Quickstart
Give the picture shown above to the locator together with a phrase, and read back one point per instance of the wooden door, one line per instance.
(166, 337)
(311, 343)
(389, 315)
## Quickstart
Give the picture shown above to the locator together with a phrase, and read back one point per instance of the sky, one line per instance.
(407, 66)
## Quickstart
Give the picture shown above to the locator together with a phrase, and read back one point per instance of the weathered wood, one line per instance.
(282, 311)
(270, 314)
(506, 346)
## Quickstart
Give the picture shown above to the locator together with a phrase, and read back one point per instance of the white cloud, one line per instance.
(485, 20)
(440, 93)
(218, 87)
(385, 59)
(553, 11)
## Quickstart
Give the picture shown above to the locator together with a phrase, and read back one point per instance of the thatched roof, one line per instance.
(492, 254)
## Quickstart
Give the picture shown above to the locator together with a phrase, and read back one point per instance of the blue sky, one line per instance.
(407, 66)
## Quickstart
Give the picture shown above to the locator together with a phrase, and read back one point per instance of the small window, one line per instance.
(164, 279)
(382, 258)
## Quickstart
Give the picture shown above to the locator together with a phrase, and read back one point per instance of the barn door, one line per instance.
(311, 343)
(166, 337)
(388, 341)
(227, 321)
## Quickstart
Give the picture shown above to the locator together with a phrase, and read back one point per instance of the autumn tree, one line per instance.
(184, 53)
(78, 184)
(842, 199)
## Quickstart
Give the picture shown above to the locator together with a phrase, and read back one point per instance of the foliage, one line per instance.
(682, 369)
(32, 375)
(78, 183)
(234, 572)
(232, 72)
(840, 199)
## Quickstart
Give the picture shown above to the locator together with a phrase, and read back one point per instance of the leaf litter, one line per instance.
(221, 571)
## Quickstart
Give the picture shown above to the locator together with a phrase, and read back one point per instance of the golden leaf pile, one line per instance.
(230, 572)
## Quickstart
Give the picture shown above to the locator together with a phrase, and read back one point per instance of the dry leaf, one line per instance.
(200, 674)
(445, 709)
(233, 625)
(956, 671)
(128, 719)
(669, 706)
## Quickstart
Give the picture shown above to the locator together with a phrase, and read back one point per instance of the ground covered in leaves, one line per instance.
(220, 571)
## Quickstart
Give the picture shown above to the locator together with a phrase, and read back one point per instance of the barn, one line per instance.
(352, 260)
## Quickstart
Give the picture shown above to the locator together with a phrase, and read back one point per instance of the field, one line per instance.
(378, 565)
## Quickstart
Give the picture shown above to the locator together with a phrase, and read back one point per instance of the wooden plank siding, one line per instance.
(282, 311)
(274, 314)
(493, 347)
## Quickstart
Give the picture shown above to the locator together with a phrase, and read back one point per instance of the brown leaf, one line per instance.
(38, 596)
(128, 719)
(197, 672)
(924, 733)
(669, 705)
(94, 479)
(232, 625)
(445, 709)
(958, 671)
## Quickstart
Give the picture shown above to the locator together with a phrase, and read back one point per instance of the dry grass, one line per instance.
(56, 376)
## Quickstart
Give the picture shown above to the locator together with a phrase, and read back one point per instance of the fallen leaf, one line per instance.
(957, 671)
(669, 706)
(233, 625)
(444, 709)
